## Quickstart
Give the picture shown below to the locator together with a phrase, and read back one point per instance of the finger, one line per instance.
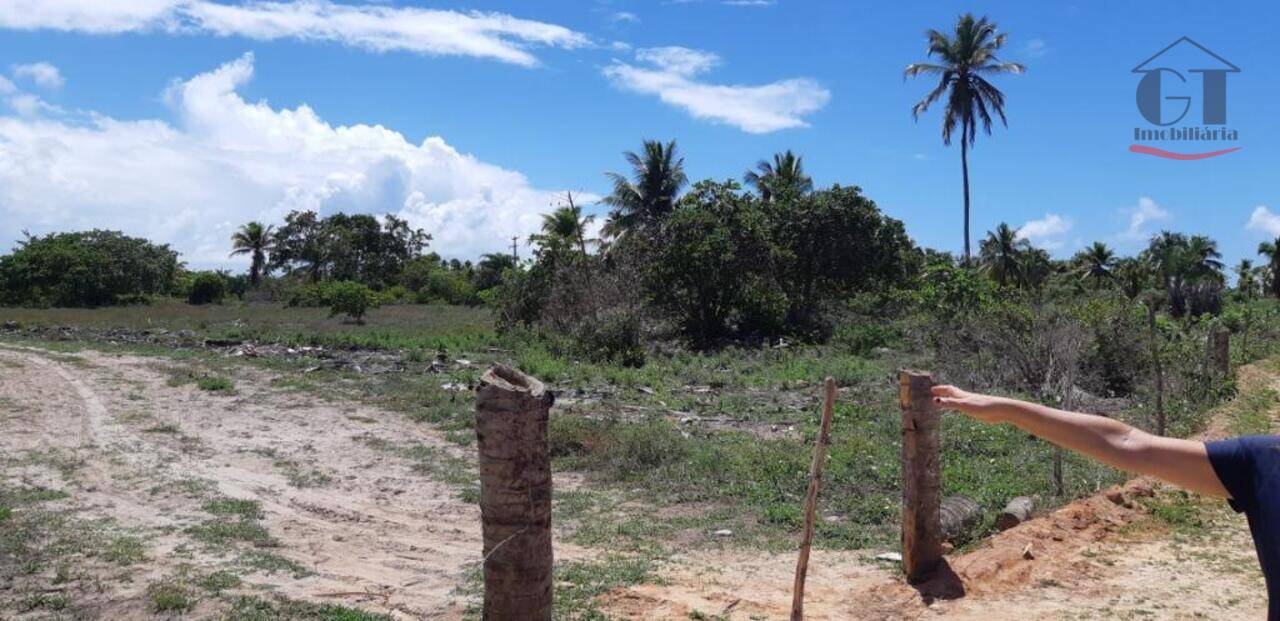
(944, 390)
(946, 403)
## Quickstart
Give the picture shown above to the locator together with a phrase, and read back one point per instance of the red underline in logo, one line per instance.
(1144, 149)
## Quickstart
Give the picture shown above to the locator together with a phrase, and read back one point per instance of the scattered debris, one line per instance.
(724, 532)
(892, 557)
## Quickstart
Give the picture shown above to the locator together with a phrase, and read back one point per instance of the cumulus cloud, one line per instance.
(1264, 220)
(673, 74)
(1140, 216)
(1046, 232)
(225, 161)
(43, 74)
(368, 26)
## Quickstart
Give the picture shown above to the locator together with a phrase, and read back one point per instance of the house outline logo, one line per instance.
(1151, 100)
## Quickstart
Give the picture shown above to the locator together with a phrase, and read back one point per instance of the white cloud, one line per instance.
(27, 104)
(1146, 212)
(1047, 231)
(225, 161)
(1264, 220)
(1035, 48)
(750, 2)
(43, 74)
(625, 16)
(368, 26)
(7, 87)
(672, 74)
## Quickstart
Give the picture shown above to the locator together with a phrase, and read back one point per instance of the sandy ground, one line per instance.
(384, 537)
(378, 534)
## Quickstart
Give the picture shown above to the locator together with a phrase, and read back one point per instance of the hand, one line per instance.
(981, 407)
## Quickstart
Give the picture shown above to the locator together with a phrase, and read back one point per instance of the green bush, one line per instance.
(612, 339)
(86, 269)
(207, 288)
(862, 338)
(310, 295)
(351, 299)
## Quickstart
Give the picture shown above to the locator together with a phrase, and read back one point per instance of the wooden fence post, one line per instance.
(1220, 351)
(515, 495)
(811, 497)
(921, 490)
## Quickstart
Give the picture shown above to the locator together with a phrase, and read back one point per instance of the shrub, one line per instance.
(85, 269)
(309, 295)
(613, 339)
(207, 288)
(352, 299)
(862, 338)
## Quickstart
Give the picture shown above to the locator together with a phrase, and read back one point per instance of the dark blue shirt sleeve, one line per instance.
(1233, 462)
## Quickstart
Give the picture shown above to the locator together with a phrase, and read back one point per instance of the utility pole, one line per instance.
(515, 254)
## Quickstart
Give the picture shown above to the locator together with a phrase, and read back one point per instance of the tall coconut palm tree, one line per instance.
(1001, 254)
(966, 58)
(785, 173)
(1097, 263)
(657, 175)
(1271, 250)
(566, 225)
(255, 240)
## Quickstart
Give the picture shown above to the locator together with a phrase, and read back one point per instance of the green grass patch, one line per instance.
(125, 550)
(242, 508)
(218, 581)
(270, 563)
(216, 384)
(249, 608)
(171, 596)
(1251, 412)
(225, 532)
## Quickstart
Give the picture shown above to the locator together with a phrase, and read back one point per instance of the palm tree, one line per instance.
(256, 240)
(567, 225)
(1204, 260)
(1001, 254)
(966, 57)
(1133, 275)
(657, 175)
(1271, 250)
(1034, 266)
(786, 173)
(1097, 262)
(1246, 283)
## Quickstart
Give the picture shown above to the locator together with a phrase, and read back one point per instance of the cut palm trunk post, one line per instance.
(515, 495)
(921, 489)
(811, 499)
(1018, 510)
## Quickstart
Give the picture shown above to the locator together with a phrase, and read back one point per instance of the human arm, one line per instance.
(1184, 463)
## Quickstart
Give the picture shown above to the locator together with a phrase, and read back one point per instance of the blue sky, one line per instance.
(180, 119)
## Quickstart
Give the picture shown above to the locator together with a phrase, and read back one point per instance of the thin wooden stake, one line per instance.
(811, 499)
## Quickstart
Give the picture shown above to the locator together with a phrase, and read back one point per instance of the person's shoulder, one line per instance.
(1254, 443)
(1259, 449)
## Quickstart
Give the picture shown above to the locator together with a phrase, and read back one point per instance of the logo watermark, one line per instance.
(1165, 96)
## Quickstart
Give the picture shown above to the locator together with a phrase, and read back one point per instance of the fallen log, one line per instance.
(957, 515)
(1016, 512)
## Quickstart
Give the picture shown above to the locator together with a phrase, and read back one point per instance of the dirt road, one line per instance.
(346, 492)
